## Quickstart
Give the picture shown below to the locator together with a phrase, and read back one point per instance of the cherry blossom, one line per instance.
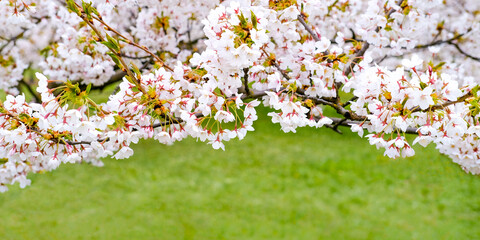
(200, 69)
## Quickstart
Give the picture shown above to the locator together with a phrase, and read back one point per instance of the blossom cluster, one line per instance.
(408, 66)
(394, 101)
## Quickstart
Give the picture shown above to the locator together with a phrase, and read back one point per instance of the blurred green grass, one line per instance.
(314, 184)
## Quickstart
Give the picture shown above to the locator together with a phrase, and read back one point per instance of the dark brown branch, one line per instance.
(350, 101)
(156, 125)
(118, 76)
(284, 74)
(357, 57)
(334, 103)
(349, 117)
(20, 35)
(348, 123)
(335, 126)
(301, 19)
(439, 42)
(12, 39)
(464, 53)
(435, 43)
(444, 105)
(245, 81)
(135, 57)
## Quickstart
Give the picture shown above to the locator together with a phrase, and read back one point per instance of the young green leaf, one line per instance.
(115, 59)
(254, 20)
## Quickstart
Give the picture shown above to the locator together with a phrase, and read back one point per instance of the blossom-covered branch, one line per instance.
(387, 68)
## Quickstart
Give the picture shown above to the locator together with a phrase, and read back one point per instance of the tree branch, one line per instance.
(438, 42)
(12, 39)
(444, 105)
(118, 76)
(464, 53)
(301, 19)
(347, 123)
(245, 81)
(366, 45)
(157, 125)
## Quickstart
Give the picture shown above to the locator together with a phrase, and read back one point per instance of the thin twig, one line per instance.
(350, 101)
(464, 53)
(135, 57)
(12, 39)
(245, 81)
(118, 54)
(444, 105)
(348, 123)
(301, 19)
(438, 42)
(357, 57)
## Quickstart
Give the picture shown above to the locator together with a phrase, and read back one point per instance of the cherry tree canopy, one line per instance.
(200, 69)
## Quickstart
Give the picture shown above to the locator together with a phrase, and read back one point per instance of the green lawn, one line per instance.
(314, 184)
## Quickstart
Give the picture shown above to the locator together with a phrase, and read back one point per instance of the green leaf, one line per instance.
(110, 45)
(475, 90)
(136, 70)
(72, 7)
(130, 79)
(438, 66)
(87, 8)
(94, 11)
(115, 59)
(114, 42)
(423, 85)
(89, 87)
(243, 21)
(254, 20)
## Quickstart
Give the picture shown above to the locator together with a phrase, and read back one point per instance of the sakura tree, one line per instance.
(187, 68)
